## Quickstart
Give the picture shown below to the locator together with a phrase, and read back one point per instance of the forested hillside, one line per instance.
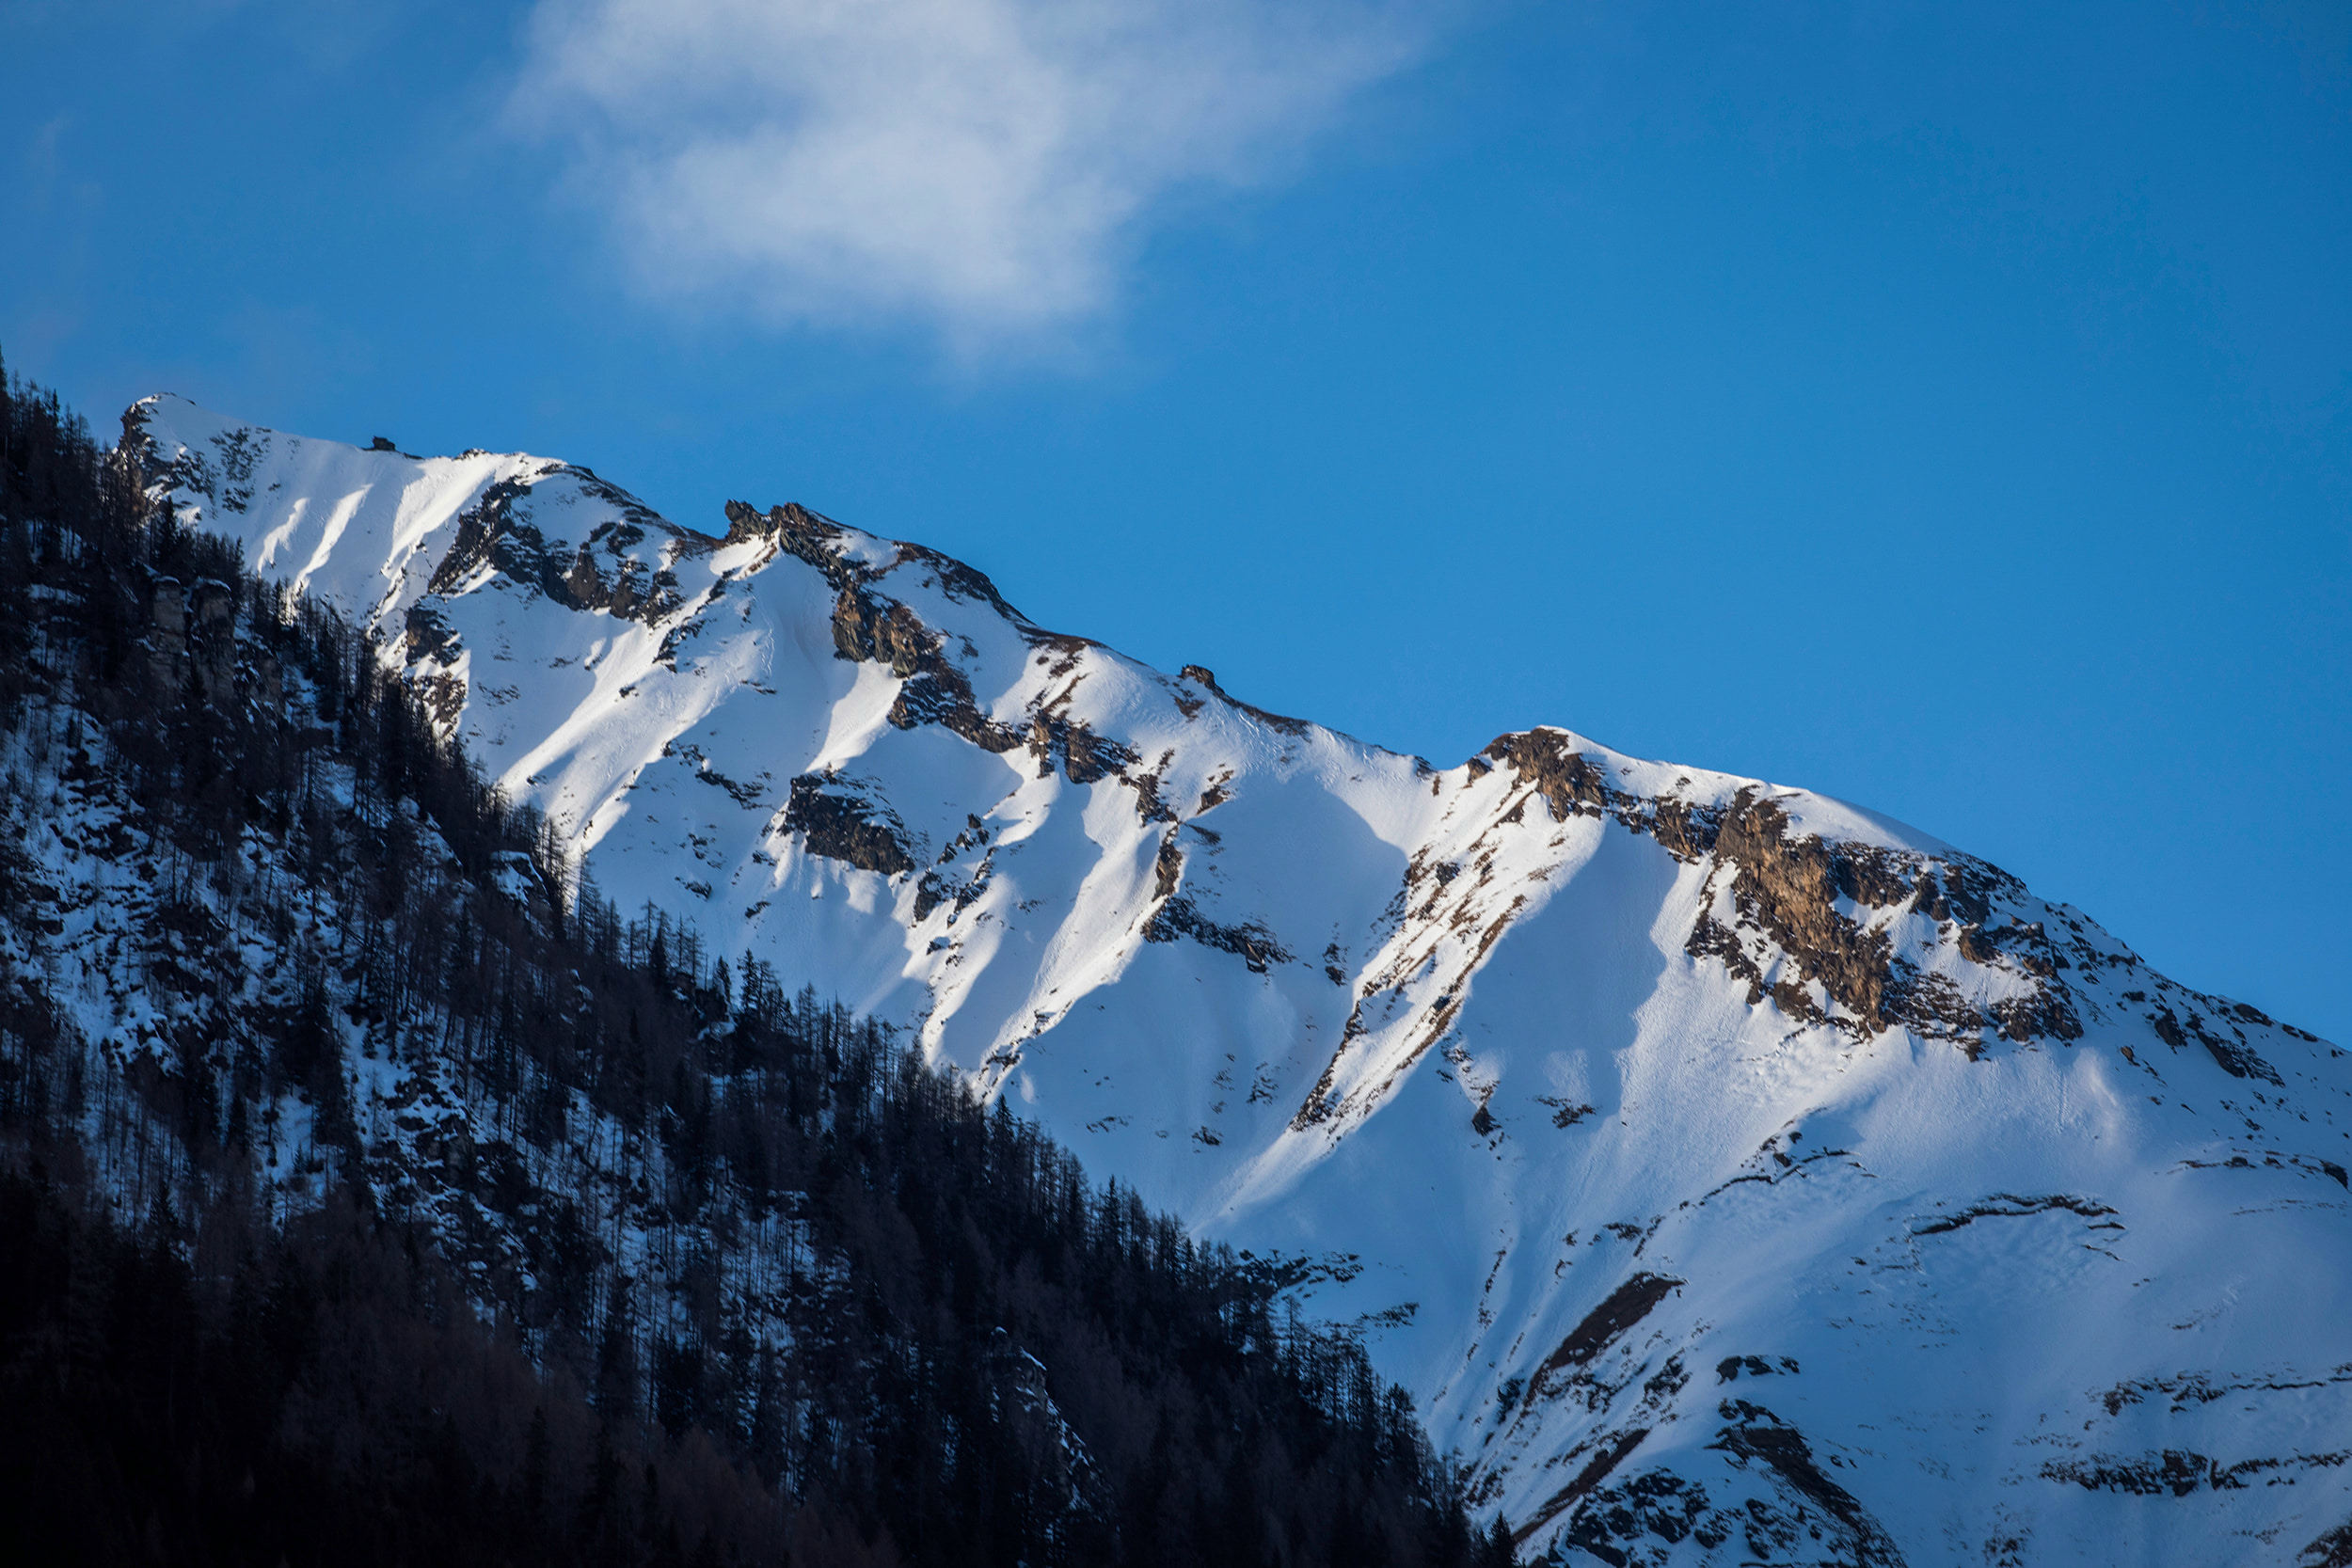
(375, 1193)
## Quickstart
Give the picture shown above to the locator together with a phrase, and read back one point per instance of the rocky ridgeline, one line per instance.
(1691, 1144)
(451, 1202)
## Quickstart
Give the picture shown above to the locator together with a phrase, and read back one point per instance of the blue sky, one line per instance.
(1947, 407)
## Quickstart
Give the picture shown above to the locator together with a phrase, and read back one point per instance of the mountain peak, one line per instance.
(1595, 1085)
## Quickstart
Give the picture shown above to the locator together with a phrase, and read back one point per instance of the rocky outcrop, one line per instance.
(596, 574)
(1790, 892)
(867, 626)
(813, 537)
(1031, 1422)
(2229, 1050)
(1202, 676)
(1252, 942)
(951, 878)
(1813, 1519)
(2012, 1206)
(943, 696)
(1786, 896)
(191, 642)
(2179, 1472)
(841, 822)
(797, 532)
(1168, 867)
(1570, 783)
(1792, 1511)
(870, 627)
(1573, 785)
(1657, 1503)
(1821, 906)
(2332, 1549)
(1626, 1306)
(1084, 757)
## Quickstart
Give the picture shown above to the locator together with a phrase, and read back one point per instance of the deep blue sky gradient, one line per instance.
(1946, 407)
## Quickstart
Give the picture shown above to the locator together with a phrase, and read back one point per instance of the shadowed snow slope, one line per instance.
(1732, 1175)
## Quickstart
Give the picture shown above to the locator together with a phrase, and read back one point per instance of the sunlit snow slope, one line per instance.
(1733, 1175)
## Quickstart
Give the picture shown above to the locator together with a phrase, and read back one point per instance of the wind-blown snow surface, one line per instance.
(1732, 1175)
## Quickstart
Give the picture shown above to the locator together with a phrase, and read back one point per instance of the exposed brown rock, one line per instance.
(2042, 1013)
(868, 626)
(1687, 832)
(799, 533)
(1149, 804)
(960, 581)
(1169, 867)
(1787, 892)
(1786, 896)
(1790, 891)
(1626, 1306)
(2181, 1472)
(840, 823)
(443, 695)
(495, 532)
(854, 618)
(1255, 944)
(192, 641)
(943, 696)
(1607, 1455)
(2012, 1206)
(2233, 1055)
(1202, 676)
(1084, 756)
(939, 884)
(1857, 1540)
(1570, 784)
(1090, 757)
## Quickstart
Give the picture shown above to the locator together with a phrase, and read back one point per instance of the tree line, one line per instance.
(374, 1189)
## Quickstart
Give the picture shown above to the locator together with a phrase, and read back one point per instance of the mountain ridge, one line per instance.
(1584, 996)
(366, 1195)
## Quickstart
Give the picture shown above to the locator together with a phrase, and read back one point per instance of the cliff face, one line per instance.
(1733, 1174)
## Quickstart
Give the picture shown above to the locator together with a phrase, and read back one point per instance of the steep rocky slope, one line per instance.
(1733, 1175)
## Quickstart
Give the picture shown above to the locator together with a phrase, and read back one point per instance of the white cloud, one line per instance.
(984, 164)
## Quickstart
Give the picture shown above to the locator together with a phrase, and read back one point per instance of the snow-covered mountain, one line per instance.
(1732, 1175)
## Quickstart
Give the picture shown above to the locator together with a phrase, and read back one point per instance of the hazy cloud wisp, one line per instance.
(981, 163)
